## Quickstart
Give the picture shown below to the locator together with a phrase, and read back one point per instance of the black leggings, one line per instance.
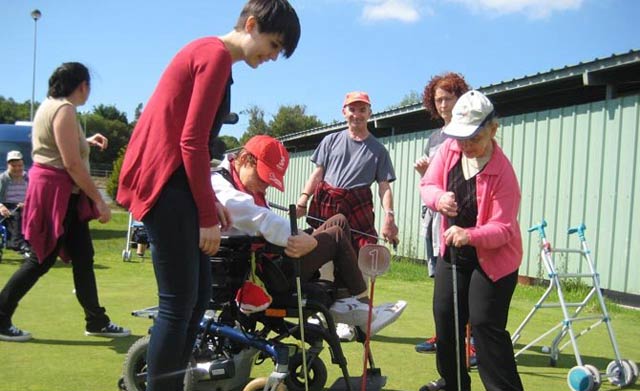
(485, 305)
(77, 243)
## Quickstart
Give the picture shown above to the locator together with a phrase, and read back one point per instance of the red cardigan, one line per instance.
(174, 130)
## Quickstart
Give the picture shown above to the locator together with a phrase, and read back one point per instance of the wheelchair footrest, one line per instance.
(375, 382)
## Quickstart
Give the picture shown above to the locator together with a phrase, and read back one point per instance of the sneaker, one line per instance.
(434, 385)
(473, 361)
(386, 314)
(345, 332)
(427, 346)
(14, 334)
(111, 330)
(351, 311)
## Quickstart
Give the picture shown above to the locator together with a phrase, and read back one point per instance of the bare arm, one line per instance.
(316, 177)
(389, 227)
(65, 132)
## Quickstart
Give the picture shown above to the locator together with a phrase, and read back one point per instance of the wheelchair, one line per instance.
(230, 342)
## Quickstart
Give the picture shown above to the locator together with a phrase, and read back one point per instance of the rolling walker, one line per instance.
(582, 377)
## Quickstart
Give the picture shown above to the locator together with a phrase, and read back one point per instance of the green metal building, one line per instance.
(573, 137)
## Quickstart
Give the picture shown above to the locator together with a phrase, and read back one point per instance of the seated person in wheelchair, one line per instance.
(240, 183)
(13, 188)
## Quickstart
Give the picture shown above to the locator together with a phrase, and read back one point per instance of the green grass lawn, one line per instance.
(61, 358)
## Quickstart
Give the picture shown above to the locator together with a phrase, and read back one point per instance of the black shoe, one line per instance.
(434, 385)
(111, 330)
(14, 334)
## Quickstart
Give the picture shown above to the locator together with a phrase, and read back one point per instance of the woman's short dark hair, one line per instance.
(451, 82)
(274, 16)
(66, 78)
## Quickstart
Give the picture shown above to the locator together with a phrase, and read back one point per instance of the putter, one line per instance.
(282, 208)
(373, 260)
(296, 263)
(456, 315)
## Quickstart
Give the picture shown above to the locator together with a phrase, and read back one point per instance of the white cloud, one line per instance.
(400, 10)
(536, 9)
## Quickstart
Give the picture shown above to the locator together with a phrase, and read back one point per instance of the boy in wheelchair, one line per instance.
(240, 183)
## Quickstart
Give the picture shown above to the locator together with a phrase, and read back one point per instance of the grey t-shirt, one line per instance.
(436, 138)
(348, 163)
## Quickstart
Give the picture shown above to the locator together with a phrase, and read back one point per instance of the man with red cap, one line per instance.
(240, 184)
(347, 163)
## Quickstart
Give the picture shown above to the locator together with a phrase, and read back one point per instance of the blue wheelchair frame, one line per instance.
(225, 335)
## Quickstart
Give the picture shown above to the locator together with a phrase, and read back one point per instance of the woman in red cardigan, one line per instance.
(164, 180)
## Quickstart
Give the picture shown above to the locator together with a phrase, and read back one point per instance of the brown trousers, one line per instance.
(334, 244)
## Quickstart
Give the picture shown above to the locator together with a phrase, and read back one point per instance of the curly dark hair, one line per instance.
(451, 82)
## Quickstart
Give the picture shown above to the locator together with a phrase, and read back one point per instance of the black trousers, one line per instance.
(485, 305)
(77, 242)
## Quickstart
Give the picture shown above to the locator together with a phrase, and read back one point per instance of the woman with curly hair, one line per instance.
(439, 97)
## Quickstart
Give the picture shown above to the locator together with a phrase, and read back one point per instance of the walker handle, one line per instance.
(540, 228)
(579, 230)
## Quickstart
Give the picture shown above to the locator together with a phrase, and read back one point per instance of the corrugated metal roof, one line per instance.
(525, 82)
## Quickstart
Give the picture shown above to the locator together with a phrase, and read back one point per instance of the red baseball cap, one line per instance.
(356, 96)
(273, 159)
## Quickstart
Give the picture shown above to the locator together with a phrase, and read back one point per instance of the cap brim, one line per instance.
(356, 100)
(460, 131)
(269, 176)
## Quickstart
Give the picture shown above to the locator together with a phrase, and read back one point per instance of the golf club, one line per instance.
(456, 316)
(373, 260)
(296, 263)
(282, 208)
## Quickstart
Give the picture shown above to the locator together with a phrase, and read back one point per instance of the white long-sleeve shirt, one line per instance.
(247, 217)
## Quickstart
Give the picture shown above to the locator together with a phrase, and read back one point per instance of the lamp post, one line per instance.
(35, 14)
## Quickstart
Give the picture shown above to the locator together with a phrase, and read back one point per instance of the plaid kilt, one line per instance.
(355, 204)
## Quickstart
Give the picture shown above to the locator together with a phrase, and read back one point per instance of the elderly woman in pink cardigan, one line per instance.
(473, 185)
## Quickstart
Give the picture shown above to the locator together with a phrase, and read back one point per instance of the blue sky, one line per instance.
(385, 47)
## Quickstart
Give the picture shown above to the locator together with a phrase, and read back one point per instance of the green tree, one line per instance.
(112, 182)
(412, 98)
(230, 142)
(115, 130)
(138, 112)
(257, 124)
(292, 119)
(110, 112)
(288, 119)
(12, 111)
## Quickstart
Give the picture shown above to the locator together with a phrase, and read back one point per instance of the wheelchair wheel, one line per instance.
(134, 370)
(258, 384)
(317, 375)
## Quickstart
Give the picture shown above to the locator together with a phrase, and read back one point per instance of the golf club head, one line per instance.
(374, 259)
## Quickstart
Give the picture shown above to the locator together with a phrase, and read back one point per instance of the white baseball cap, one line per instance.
(470, 114)
(14, 155)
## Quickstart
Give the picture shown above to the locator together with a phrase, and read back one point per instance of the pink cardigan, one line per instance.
(45, 208)
(496, 236)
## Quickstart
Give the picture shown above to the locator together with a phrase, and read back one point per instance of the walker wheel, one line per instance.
(634, 369)
(597, 380)
(580, 378)
(126, 255)
(620, 373)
